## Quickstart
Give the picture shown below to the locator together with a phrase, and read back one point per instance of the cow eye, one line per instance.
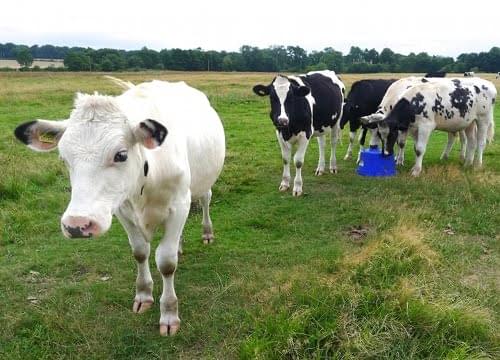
(121, 156)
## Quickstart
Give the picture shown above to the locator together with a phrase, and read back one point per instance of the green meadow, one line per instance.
(357, 268)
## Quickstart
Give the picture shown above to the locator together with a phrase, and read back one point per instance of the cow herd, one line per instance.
(145, 155)
(308, 105)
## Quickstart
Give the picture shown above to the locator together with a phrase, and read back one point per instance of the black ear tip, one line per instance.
(157, 130)
(260, 90)
(21, 132)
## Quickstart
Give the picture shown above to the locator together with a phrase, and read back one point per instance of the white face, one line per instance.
(103, 163)
(282, 86)
(104, 156)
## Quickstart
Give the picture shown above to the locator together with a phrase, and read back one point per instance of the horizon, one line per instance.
(219, 26)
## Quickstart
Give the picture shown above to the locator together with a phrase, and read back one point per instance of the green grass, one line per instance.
(285, 277)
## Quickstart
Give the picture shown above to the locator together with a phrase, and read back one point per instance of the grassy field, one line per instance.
(357, 268)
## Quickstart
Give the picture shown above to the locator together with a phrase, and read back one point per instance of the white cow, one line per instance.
(121, 161)
(448, 105)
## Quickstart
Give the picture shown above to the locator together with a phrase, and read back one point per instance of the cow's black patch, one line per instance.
(456, 82)
(142, 189)
(460, 98)
(298, 164)
(22, 132)
(438, 105)
(418, 104)
(484, 87)
(417, 152)
(477, 89)
(424, 80)
(146, 168)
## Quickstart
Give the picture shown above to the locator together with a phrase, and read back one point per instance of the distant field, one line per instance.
(42, 63)
(286, 278)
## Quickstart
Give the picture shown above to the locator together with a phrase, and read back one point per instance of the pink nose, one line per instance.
(79, 227)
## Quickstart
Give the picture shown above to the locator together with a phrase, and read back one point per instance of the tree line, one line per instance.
(250, 58)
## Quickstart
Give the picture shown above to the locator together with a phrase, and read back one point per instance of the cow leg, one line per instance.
(482, 131)
(208, 233)
(166, 261)
(286, 154)
(374, 139)
(463, 144)
(362, 139)
(298, 159)
(470, 132)
(321, 161)
(352, 137)
(140, 249)
(400, 158)
(334, 139)
(423, 135)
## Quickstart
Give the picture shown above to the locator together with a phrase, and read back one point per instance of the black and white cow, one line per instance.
(435, 74)
(498, 75)
(303, 106)
(469, 74)
(142, 156)
(363, 99)
(449, 105)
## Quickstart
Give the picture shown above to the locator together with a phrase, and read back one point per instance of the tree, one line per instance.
(77, 61)
(24, 57)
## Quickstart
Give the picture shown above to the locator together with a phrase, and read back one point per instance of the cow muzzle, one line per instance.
(283, 121)
(80, 227)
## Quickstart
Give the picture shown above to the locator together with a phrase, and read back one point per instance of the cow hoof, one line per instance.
(399, 163)
(415, 172)
(319, 172)
(333, 171)
(208, 238)
(170, 329)
(443, 157)
(141, 306)
(297, 193)
(284, 187)
(348, 157)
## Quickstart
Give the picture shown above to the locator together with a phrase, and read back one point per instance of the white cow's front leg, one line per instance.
(321, 161)
(298, 159)
(449, 145)
(333, 157)
(286, 154)
(166, 261)
(141, 250)
(352, 137)
(400, 158)
(423, 135)
(208, 232)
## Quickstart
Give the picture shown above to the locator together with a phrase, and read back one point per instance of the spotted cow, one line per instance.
(303, 106)
(450, 105)
(363, 99)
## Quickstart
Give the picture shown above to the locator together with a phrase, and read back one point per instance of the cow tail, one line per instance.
(491, 131)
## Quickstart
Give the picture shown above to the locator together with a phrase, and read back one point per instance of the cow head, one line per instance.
(103, 153)
(288, 99)
(399, 119)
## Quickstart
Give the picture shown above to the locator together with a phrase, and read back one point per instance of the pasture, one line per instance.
(357, 268)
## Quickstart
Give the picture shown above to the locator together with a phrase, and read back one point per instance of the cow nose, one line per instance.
(79, 227)
(283, 121)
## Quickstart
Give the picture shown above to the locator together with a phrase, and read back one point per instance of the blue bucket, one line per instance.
(372, 163)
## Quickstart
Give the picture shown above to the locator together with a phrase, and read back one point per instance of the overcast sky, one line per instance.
(437, 27)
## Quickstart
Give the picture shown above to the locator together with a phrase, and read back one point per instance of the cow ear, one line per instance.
(150, 133)
(261, 90)
(41, 135)
(301, 91)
